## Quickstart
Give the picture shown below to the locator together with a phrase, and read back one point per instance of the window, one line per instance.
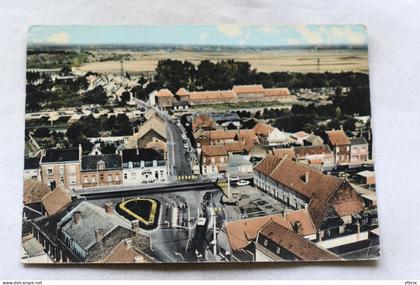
(50, 171)
(62, 179)
(125, 175)
(117, 177)
(93, 179)
(278, 250)
(213, 160)
(109, 177)
(85, 179)
(101, 177)
(130, 164)
(265, 242)
(61, 170)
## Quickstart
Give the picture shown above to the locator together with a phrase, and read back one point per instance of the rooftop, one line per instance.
(142, 154)
(242, 232)
(164, 93)
(56, 200)
(292, 242)
(338, 137)
(31, 163)
(248, 88)
(357, 141)
(311, 150)
(92, 219)
(214, 150)
(111, 161)
(60, 155)
(34, 190)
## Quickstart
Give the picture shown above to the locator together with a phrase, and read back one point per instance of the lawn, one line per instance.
(145, 210)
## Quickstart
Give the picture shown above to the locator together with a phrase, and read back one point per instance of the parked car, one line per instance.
(186, 146)
(242, 183)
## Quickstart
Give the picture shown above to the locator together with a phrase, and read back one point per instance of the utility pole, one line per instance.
(122, 68)
(318, 68)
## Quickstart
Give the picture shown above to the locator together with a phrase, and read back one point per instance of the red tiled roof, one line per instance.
(276, 92)
(164, 93)
(291, 174)
(262, 129)
(302, 216)
(267, 165)
(56, 200)
(234, 146)
(318, 189)
(282, 152)
(241, 232)
(311, 150)
(298, 246)
(182, 92)
(214, 150)
(203, 95)
(301, 134)
(123, 253)
(338, 137)
(34, 191)
(248, 88)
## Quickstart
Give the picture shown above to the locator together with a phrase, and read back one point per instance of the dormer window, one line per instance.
(101, 165)
(130, 164)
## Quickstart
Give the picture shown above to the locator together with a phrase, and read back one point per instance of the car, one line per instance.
(242, 183)
(186, 146)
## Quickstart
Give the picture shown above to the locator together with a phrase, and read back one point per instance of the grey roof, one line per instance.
(32, 247)
(358, 140)
(60, 155)
(92, 218)
(31, 163)
(225, 117)
(312, 138)
(90, 162)
(238, 159)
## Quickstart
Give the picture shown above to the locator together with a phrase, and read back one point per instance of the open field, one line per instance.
(264, 61)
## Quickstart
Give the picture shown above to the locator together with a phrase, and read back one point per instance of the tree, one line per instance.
(66, 70)
(96, 96)
(42, 132)
(125, 96)
(108, 148)
(74, 133)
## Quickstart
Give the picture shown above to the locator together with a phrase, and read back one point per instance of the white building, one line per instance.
(31, 169)
(143, 166)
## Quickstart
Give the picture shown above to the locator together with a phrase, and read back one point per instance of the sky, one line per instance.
(229, 34)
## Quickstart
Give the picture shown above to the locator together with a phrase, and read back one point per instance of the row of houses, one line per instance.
(68, 167)
(71, 230)
(216, 144)
(325, 215)
(165, 99)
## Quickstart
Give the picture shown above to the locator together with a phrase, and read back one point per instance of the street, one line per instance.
(177, 161)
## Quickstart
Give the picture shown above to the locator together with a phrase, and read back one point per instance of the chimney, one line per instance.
(139, 259)
(77, 216)
(298, 228)
(99, 234)
(128, 242)
(80, 152)
(135, 226)
(109, 208)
